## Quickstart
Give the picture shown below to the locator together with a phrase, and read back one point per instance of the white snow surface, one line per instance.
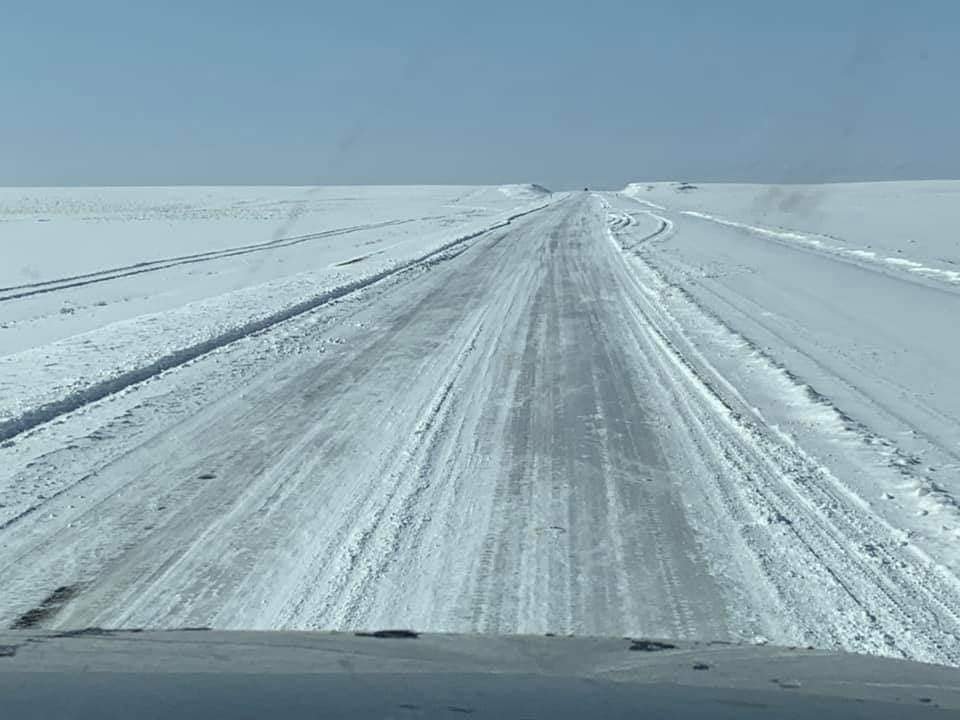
(717, 412)
(904, 221)
(99, 282)
(528, 191)
(846, 299)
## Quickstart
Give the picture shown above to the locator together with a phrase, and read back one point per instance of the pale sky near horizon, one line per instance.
(561, 93)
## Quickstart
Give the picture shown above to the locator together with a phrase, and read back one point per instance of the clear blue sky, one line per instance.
(562, 93)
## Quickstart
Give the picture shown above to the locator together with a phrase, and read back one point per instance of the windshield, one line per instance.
(617, 319)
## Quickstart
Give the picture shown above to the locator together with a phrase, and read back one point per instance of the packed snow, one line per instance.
(103, 282)
(833, 309)
(910, 225)
(716, 412)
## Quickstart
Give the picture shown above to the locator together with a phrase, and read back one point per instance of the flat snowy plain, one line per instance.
(721, 412)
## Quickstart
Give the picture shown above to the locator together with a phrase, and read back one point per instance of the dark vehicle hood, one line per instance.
(204, 673)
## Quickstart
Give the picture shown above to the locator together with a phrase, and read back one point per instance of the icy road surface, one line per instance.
(567, 422)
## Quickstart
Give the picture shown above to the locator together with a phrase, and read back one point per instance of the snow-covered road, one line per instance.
(572, 422)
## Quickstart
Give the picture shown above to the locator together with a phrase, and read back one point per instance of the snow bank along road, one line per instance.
(531, 429)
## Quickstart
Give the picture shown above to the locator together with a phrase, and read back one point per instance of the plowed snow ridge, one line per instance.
(33, 416)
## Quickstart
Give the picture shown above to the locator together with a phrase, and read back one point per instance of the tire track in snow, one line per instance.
(389, 555)
(889, 599)
(368, 469)
(374, 545)
(890, 266)
(254, 508)
(664, 228)
(884, 432)
(495, 584)
(17, 292)
(578, 539)
(445, 472)
(33, 417)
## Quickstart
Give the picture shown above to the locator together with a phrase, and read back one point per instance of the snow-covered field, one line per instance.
(713, 412)
(906, 227)
(852, 291)
(99, 283)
